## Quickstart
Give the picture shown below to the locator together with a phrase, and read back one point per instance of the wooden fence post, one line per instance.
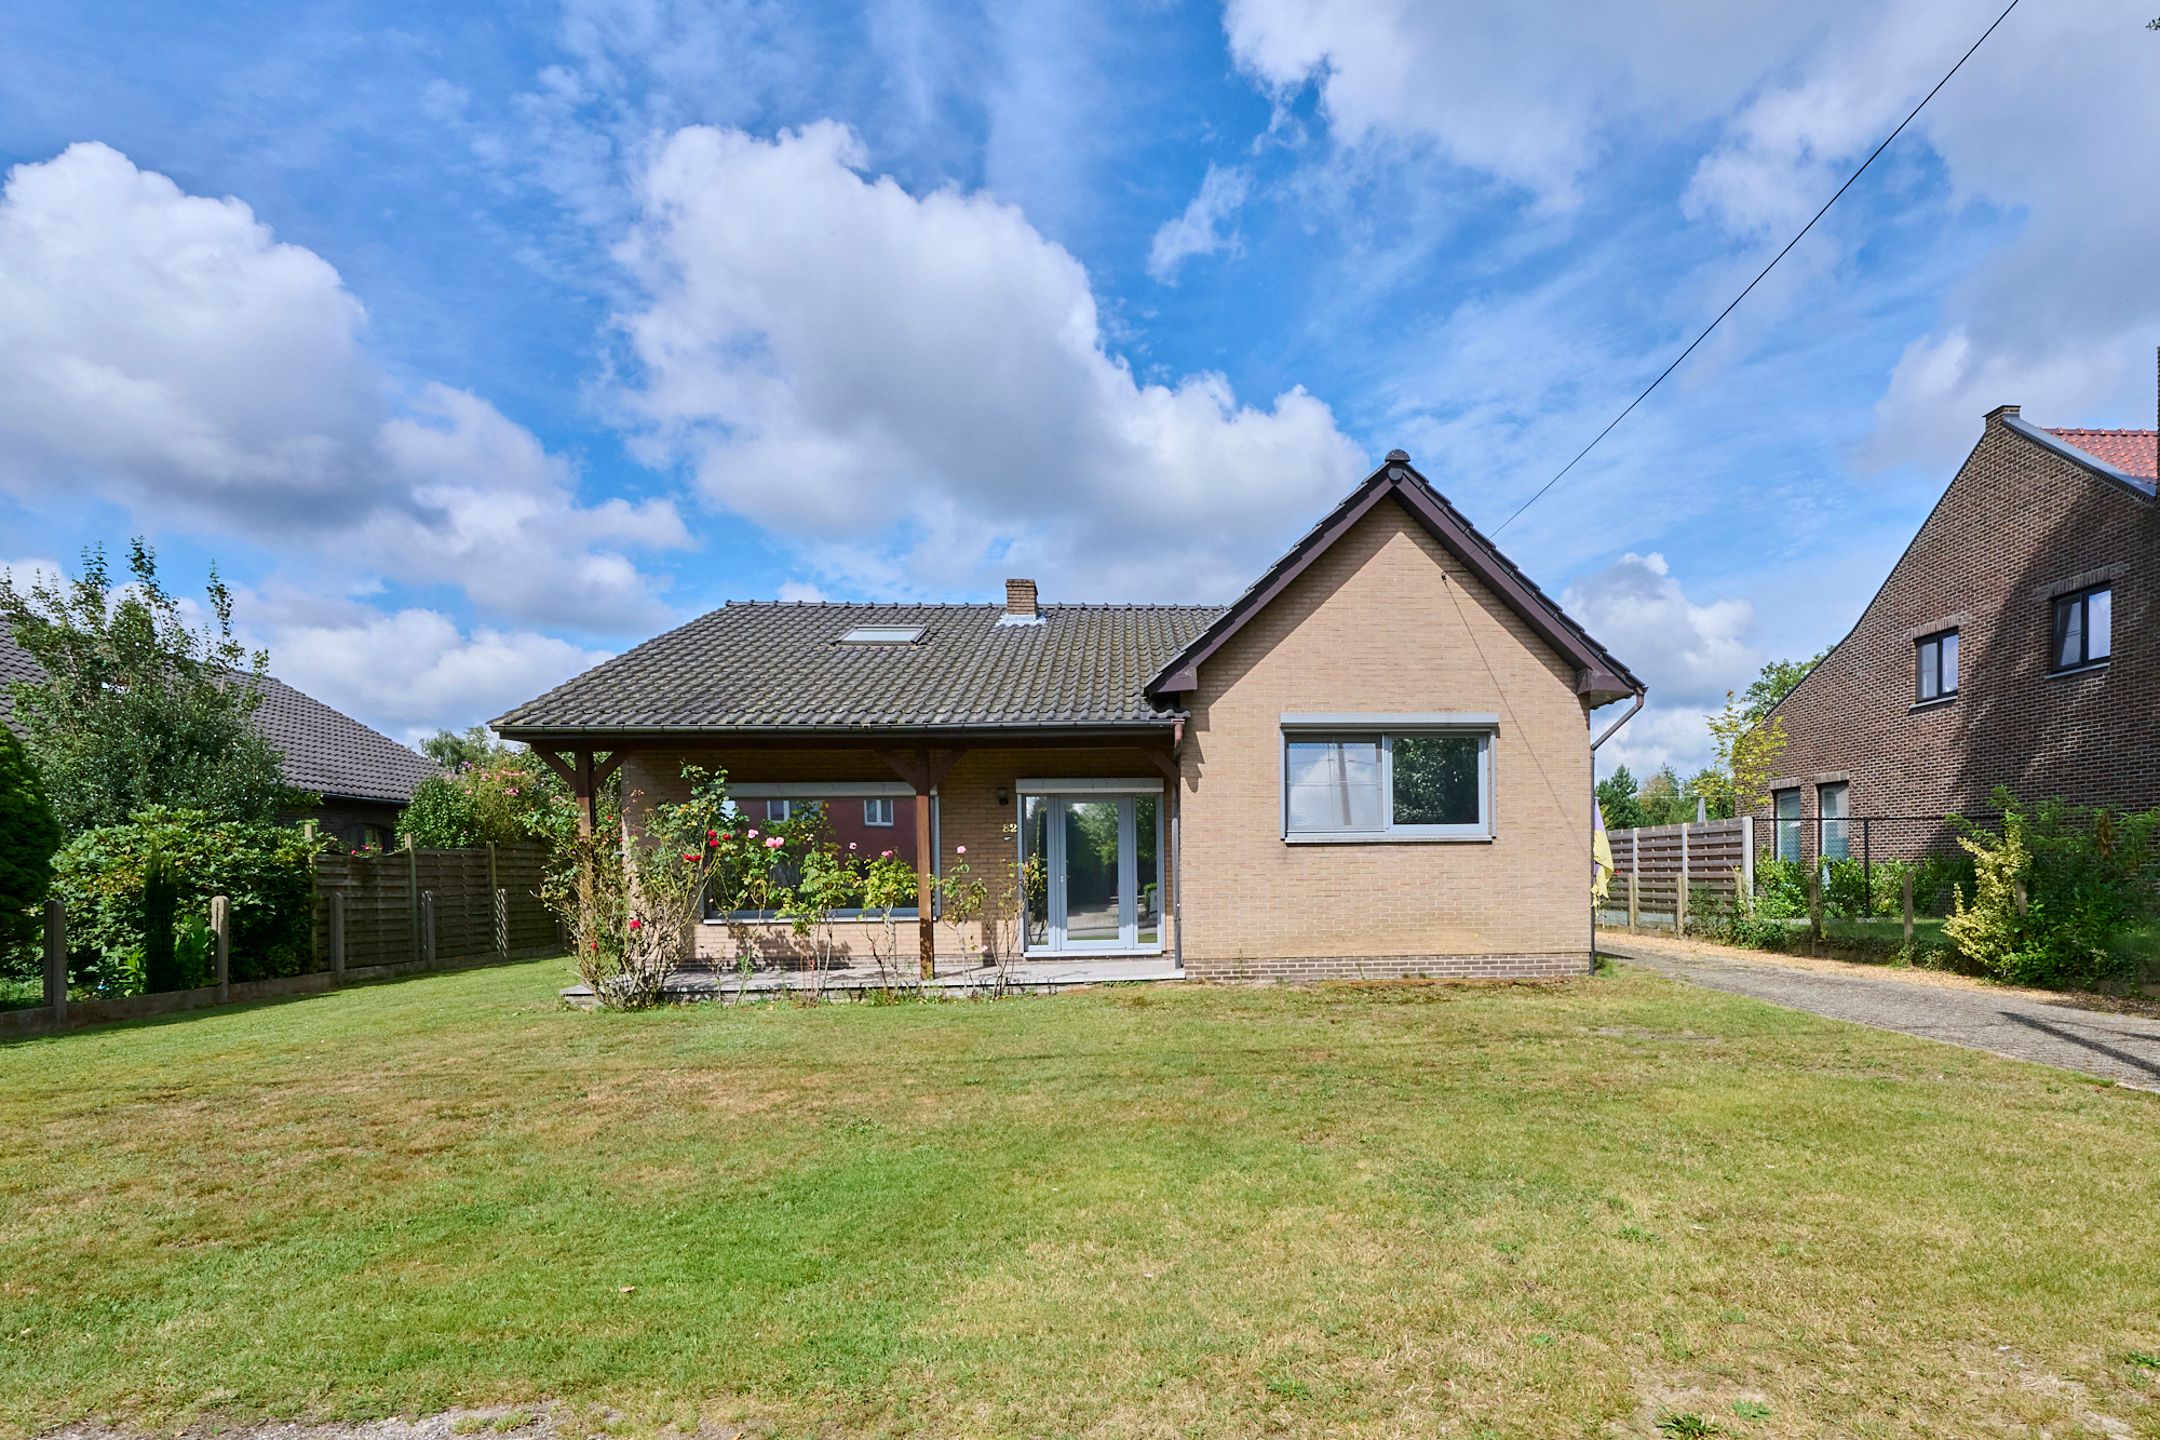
(1634, 905)
(56, 966)
(1814, 904)
(1680, 895)
(1905, 896)
(337, 935)
(221, 927)
(412, 896)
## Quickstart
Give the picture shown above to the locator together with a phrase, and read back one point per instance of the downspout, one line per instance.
(1610, 731)
(1177, 848)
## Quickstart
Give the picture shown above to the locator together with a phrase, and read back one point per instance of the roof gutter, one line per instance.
(1614, 728)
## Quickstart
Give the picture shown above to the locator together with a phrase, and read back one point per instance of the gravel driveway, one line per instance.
(2016, 1023)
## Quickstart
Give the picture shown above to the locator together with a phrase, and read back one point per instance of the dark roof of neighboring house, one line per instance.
(2134, 452)
(1603, 678)
(325, 751)
(778, 666)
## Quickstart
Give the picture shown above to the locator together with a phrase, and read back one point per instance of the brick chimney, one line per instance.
(1020, 607)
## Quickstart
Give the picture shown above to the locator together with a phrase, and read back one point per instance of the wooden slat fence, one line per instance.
(435, 906)
(1713, 856)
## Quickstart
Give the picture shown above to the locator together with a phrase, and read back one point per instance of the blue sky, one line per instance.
(475, 343)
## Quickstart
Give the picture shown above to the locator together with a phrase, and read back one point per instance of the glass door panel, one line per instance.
(1093, 897)
(1147, 869)
(1035, 814)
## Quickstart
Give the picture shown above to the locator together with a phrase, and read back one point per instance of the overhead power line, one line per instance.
(1614, 423)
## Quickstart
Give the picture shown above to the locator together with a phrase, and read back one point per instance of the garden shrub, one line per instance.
(29, 834)
(264, 870)
(2057, 893)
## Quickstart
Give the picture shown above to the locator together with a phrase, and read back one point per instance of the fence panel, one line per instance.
(383, 910)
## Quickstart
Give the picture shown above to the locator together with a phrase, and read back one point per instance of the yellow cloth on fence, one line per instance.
(1600, 857)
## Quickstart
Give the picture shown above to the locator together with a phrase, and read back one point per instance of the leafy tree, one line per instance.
(29, 834)
(1663, 801)
(471, 748)
(494, 801)
(1776, 682)
(137, 709)
(1616, 799)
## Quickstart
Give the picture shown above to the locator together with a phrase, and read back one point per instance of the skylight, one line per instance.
(882, 635)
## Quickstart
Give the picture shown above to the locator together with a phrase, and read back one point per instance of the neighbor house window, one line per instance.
(2084, 626)
(1833, 809)
(1788, 823)
(1937, 660)
(1408, 784)
(849, 819)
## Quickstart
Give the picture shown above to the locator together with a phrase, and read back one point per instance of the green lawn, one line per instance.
(1570, 1210)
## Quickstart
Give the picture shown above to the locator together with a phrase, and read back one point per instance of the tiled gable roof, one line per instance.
(782, 666)
(2134, 452)
(325, 751)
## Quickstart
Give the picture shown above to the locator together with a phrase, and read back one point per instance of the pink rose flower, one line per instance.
(752, 834)
(851, 844)
(772, 842)
(959, 849)
(884, 855)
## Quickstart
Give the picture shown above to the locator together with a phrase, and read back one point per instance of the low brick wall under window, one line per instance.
(1390, 967)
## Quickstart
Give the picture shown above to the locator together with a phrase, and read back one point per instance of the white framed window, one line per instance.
(1409, 778)
(877, 813)
(780, 810)
(883, 635)
(1788, 823)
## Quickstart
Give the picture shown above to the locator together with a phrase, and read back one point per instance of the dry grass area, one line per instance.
(1598, 1208)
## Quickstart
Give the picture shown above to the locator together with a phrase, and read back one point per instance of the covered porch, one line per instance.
(1072, 835)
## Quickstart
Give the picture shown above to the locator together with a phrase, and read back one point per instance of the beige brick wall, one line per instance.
(1386, 622)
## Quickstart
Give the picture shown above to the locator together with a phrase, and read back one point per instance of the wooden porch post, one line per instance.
(588, 825)
(925, 924)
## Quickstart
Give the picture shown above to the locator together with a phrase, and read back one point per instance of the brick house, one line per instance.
(1375, 762)
(360, 778)
(2006, 648)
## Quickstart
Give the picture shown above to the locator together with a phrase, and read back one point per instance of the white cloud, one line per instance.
(802, 592)
(166, 350)
(34, 570)
(916, 390)
(2031, 137)
(1203, 228)
(411, 672)
(1523, 93)
(1688, 653)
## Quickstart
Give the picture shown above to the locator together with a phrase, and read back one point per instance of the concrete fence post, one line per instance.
(502, 924)
(221, 927)
(1814, 904)
(337, 935)
(427, 927)
(56, 966)
(1634, 905)
(1905, 898)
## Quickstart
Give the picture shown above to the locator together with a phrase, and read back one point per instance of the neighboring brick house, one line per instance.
(1376, 762)
(2008, 647)
(363, 778)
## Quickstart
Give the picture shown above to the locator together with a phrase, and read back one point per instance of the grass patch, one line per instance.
(1350, 1211)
